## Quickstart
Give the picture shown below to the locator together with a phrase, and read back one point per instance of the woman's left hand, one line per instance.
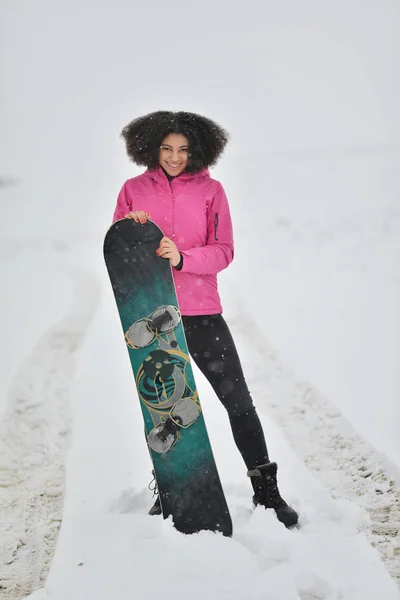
(168, 249)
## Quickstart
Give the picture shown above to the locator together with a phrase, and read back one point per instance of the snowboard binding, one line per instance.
(183, 414)
(143, 332)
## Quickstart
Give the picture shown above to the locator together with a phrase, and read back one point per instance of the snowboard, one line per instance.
(187, 478)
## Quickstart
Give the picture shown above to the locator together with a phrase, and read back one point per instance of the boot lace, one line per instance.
(153, 486)
(272, 493)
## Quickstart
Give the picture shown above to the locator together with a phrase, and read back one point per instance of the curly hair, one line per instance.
(144, 135)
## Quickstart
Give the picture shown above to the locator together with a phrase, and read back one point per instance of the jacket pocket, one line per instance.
(216, 227)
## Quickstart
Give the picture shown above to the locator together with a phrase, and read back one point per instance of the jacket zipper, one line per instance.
(173, 208)
(216, 227)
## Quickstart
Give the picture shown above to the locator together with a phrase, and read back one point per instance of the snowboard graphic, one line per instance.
(187, 478)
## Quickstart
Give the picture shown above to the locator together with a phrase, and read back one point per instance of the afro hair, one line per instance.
(144, 135)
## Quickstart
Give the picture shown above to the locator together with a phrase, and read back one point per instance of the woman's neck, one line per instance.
(171, 177)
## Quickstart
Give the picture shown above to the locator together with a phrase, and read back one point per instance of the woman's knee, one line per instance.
(236, 400)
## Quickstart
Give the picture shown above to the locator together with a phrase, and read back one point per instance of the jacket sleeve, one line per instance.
(124, 204)
(217, 254)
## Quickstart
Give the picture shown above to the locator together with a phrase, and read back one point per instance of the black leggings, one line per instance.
(212, 348)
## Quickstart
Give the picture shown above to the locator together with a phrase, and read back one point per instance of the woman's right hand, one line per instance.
(139, 216)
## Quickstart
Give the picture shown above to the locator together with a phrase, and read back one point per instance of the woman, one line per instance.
(178, 194)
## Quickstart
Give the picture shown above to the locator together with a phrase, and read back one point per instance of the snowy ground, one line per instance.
(344, 489)
(312, 174)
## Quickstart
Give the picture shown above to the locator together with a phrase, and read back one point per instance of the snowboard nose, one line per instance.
(145, 233)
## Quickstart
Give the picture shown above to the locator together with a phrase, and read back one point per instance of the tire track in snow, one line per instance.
(339, 457)
(34, 438)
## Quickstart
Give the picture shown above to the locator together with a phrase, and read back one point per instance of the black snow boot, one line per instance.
(156, 508)
(266, 493)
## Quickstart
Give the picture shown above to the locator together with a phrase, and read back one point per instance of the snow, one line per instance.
(333, 281)
(312, 173)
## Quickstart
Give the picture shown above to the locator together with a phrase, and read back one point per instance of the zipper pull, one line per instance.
(216, 227)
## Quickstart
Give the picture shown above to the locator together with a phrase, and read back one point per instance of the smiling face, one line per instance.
(174, 153)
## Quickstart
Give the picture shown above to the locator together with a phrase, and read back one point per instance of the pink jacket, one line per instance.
(193, 211)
